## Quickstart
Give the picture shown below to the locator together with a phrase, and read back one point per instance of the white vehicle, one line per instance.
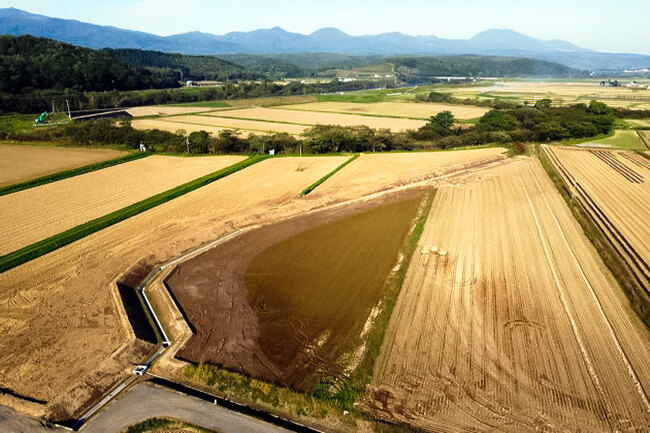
(140, 370)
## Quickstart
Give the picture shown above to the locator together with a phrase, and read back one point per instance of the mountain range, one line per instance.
(327, 40)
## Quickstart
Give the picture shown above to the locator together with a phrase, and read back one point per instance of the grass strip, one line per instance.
(314, 185)
(70, 173)
(52, 243)
(612, 259)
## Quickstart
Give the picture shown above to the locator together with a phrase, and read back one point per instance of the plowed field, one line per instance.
(509, 321)
(20, 163)
(615, 186)
(37, 213)
(288, 302)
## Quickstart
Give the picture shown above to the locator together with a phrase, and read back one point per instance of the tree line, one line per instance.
(539, 123)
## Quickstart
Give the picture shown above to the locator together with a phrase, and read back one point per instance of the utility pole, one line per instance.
(187, 143)
(68, 104)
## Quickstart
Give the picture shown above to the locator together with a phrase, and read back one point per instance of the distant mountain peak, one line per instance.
(276, 40)
(328, 33)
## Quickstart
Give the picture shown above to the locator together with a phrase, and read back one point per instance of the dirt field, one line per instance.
(618, 185)
(171, 126)
(247, 125)
(164, 110)
(374, 172)
(404, 109)
(51, 304)
(509, 321)
(321, 118)
(19, 163)
(283, 307)
(37, 213)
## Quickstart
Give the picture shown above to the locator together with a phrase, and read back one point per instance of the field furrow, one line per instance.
(509, 321)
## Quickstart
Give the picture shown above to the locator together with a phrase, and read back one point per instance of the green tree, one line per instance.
(442, 121)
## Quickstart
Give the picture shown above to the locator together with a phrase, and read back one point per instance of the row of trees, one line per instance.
(541, 122)
(35, 101)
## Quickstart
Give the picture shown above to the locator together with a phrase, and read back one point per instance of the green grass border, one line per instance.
(59, 240)
(314, 185)
(9, 189)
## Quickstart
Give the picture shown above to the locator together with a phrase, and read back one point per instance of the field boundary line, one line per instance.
(314, 185)
(59, 240)
(43, 180)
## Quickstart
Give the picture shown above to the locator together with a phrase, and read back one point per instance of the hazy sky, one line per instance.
(603, 25)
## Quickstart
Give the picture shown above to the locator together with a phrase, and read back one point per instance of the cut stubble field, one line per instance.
(19, 163)
(375, 172)
(49, 305)
(508, 320)
(166, 124)
(400, 109)
(38, 213)
(246, 125)
(321, 118)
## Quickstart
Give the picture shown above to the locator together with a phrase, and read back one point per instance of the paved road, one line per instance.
(14, 422)
(145, 401)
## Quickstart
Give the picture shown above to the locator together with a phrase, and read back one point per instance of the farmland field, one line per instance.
(167, 124)
(247, 125)
(323, 118)
(558, 92)
(49, 305)
(509, 321)
(37, 213)
(19, 163)
(400, 109)
(645, 136)
(643, 123)
(622, 140)
(283, 308)
(618, 186)
(373, 172)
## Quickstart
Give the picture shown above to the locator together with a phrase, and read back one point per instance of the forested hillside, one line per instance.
(184, 67)
(421, 68)
(28, 63)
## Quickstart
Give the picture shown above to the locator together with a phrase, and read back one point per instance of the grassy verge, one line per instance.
(616, 264)
(70, 173)
(343, 394)
(52, 243)
(154, 425)
(314, 185)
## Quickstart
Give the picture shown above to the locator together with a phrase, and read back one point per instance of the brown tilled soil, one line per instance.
(287, 302)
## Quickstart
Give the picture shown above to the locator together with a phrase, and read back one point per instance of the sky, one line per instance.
(602, 25)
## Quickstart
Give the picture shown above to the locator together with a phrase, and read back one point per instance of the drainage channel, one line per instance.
(164, 343)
